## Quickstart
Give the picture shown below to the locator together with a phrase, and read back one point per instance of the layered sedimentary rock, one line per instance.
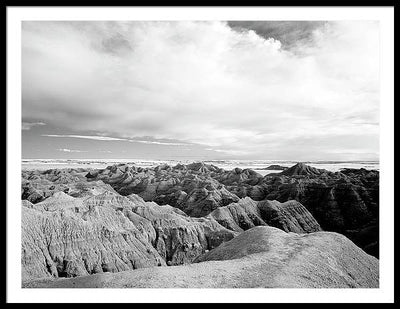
(191, 187)
(346, 202)
(39, 185)
(290, 216)
(64, 236)
(301, 169)
(261, 257)
(70, 241)
(276, 167)
(179, 238)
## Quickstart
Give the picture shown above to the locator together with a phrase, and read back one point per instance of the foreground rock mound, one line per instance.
(261, 257)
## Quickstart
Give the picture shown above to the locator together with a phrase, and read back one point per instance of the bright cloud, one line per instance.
(29, 125)
(69, 150)
(95, 137)
(207, 83)
(157, 143)
(108, 138)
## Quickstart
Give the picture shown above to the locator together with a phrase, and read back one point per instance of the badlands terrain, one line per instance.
(197, 225)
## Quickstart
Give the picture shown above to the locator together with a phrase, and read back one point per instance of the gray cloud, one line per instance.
(116, 44)
(289, 33)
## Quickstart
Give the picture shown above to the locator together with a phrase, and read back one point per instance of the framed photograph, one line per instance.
(205, 154)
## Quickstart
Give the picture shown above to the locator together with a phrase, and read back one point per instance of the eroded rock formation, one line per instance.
(78, 222)
(261, 257)
(346, 202)
(290, 216)
(64, 236)
(191, 187)
(276, 167)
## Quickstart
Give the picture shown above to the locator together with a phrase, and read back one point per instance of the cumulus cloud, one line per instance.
(208, 83)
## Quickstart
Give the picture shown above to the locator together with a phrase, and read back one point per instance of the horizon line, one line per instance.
(141, 159)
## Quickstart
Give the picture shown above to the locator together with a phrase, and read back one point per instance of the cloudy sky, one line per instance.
(278, 90)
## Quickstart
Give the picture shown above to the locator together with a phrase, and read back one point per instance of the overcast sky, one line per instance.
(201, 90)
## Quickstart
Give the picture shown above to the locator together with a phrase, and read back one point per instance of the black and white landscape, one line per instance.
(200, 154)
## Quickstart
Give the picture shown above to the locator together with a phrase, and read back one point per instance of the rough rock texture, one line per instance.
(38, 185)
(179, 238)
(261, 257)
(290, 216)
(67, 242)
(191, 187)
(301, 169)
(64, 236)
(276, 167)
(346, 202)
